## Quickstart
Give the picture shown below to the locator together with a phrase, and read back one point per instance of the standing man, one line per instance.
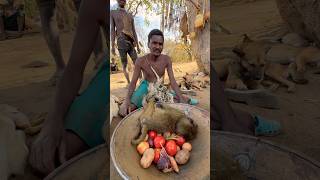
(51, 35)
(122, 29)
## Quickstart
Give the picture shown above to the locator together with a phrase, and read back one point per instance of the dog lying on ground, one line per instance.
(259, 58)
(297, 57)
(249, 70)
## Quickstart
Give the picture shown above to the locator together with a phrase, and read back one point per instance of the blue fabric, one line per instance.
(139, 93)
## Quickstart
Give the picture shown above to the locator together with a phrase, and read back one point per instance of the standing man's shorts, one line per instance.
(89, 111)
(125, 46)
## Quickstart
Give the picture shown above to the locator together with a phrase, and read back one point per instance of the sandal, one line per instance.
(193, 101)
(265, 127)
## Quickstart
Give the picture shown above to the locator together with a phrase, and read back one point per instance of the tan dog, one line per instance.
(250, 69)
(259, 58)
(297, 57)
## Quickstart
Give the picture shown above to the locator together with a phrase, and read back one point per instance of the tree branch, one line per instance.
(136, 10)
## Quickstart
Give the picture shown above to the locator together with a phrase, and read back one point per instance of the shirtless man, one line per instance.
(75, 122)
(122, 28)
(159, 63)
(51, 35)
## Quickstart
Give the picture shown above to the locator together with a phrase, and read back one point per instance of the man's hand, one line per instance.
(184, 100)
(124, 109)
(43, 149)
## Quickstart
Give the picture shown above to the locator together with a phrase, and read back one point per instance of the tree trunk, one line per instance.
(166, 15)
(302, 17)
(200, 45)
(163, 15)
(170, 22)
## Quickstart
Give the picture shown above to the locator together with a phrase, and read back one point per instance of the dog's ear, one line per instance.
(238, 51)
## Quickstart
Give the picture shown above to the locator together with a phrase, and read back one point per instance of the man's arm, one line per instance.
(42, 156)
(173, 82)
(113, 33)
(136, 74)
(135, 35)
(135, 77)
(82, 47)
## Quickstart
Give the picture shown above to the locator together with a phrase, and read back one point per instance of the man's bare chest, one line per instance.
(121, 18)
(157, 68)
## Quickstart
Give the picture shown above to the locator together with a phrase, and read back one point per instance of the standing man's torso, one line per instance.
(123, 22)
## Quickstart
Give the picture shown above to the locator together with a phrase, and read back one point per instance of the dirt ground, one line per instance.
(299, 112)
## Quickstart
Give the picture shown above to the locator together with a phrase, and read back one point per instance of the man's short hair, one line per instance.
(155, 32)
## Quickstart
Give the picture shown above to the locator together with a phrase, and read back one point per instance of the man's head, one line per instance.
(155, 42)
(121, 3)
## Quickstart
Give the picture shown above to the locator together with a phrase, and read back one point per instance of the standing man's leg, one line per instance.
(124, 48)
(124, 61)
(134, 56)
(21, 20)
(51, 35)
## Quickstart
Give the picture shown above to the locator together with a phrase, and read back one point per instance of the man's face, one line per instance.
(156, 45)
(122, 3)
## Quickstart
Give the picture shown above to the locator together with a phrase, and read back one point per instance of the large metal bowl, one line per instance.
(262, 159)
(127, 160)
(92, 164)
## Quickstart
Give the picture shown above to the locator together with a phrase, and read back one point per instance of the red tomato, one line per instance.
(152, 134)
(180, 140)
(158, 141)
(171, 147)
(156, 155)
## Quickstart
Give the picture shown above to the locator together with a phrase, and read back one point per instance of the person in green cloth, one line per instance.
(75, 123)
(153, 66)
